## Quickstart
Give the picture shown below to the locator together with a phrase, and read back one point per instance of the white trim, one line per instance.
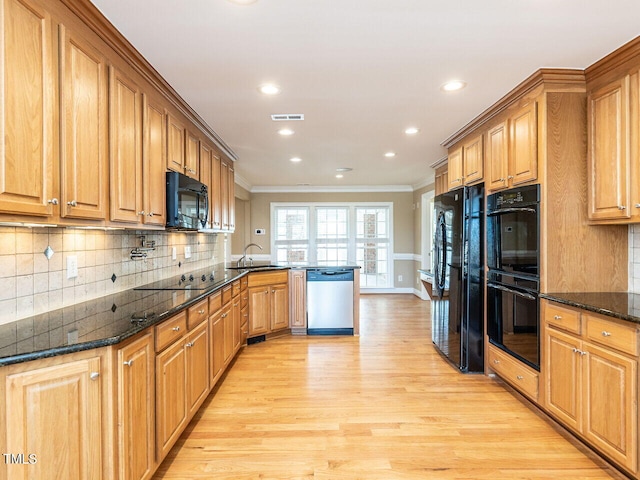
(422, 295)
(403, 256)
(330, 189)
(417, 258)
(241, 181)
(440, 162)
(426, 182)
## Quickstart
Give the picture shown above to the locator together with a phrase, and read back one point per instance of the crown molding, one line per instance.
(330, 189)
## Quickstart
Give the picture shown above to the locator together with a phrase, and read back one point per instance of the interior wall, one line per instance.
(418, 215)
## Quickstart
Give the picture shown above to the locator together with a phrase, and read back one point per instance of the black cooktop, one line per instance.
(202, 279)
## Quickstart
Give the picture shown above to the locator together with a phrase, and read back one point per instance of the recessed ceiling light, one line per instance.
(453, 85)
(285, 132)
(390, 154)
(295, 159)
(412, 130)
(339, 175)
(269, 89)
(344, 169)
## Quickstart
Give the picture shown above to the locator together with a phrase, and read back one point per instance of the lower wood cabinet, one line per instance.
(298, 301)
(268, 302)
(56, 412)
(197, 348)
(136, 409)
(522, 377)
(591, 381)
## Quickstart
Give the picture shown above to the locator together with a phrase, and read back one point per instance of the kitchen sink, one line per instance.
(256, 267)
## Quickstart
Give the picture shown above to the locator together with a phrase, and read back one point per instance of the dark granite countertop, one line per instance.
(621, 305)
(106, 320)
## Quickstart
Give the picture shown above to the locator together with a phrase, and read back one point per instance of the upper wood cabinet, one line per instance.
(192, 155)
(224, 194)
(215, 199)
(154, 162)
(84, 175)
(28, 118)
(466, 163)
(232, 197)
(609, 135)
(512, 149)
(126, 148)
(175, 144)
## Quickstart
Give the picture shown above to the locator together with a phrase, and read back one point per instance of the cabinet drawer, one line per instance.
(235, 288)
(562, 317)
(215, 302)
(244, 298)
(611, 334)
(524, 379)
(244, 283)
(197, 313)
(268, 278)
(226, 294)
(170, 330)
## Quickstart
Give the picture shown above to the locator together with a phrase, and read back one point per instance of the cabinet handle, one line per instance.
(606, 334)
(557, 317)
(582, 353)
(176, 329)
(510, 177)
(501, 180)
(496, 361)
(637, 205)
(53, 201)
(621, 207)
(190, 344)
(266, 292)
(94, 375)
(273, 291)
(236, 304)
(520, 377)
(141, 213)
(201, 312)
(150, 214)
(224, 315)
(72, 203)
(129, 363)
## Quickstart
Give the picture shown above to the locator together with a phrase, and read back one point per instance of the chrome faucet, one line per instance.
(243, 259)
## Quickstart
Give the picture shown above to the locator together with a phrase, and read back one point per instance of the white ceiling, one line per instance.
(361, 71)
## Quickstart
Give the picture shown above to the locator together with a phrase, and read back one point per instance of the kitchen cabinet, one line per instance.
(206, 172)
(135, 408)
(236, 312)
(125, 132)
(228, 323)
(62, 398)
(84, 174)
(231, 179)
(442, 179)
(215, 198)
(466, 163)
(197, 356)
(591, 379)
(192, 155)
(298, 301)
(224, 194)
(268, 302)
(28, 118)
(497, 156)
(176, 144)
(522, 377)
(154, 161)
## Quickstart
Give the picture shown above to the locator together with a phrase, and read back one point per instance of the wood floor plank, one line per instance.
(384, 405)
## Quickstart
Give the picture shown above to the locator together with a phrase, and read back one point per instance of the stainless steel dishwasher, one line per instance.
(330, 301)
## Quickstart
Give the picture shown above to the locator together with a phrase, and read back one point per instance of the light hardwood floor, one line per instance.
(384, 405)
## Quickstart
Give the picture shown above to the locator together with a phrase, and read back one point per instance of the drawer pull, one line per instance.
(606, 334)
(223, 315)
(190, 344)
(557, 317)
(201, 312)
(176, 329)
(496, 361)
(128, 363)
(94, 375)
(520, 377)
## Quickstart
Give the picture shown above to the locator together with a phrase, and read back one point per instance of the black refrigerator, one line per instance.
(457, 308)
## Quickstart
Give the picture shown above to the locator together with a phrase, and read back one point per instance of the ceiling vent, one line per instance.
(287, 117)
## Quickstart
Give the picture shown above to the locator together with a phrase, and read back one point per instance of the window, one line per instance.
(328, 234)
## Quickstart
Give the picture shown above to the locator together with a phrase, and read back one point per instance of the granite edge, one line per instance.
(590, 308)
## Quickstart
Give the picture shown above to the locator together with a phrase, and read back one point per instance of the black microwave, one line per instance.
(187, 202)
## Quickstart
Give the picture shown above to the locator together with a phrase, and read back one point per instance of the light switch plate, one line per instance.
(72, 266)
(174, 253)
(187, 252)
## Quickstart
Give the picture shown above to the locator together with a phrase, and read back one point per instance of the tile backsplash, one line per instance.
(634, 258)
(31, 284)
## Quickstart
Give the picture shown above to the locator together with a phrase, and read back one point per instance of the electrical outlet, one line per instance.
(187, 252)
(260, 231)
(174, 253)
(399, 278)
(72, 266)
(72, 337)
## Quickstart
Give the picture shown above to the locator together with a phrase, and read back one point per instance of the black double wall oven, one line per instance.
(513, 282)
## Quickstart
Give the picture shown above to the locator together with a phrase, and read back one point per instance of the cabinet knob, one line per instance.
(129, 363)
(606, 334)
(637, 205)
(224, 315)
(141, 213)
(190, 344)
(201, 312)
(621, 207)
(176, 329)
(520, 377)
(52, 201)
(94, 375)
(502, 180)
(150, 214)
(509, 177)
(72, 203)
(557, 317)
(496, 361)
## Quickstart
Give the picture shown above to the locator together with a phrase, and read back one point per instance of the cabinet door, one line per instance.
(154, 162)
(28, 119)
(259, 310)
(610, 419)
(497, 156)
(564, 381)
(206, 164)
(171, 396)
(523, 161)
(227, 318)
(244, 325)
(84, 179)
(215, 209)
(456, 177)
(237, 322)
(197, 349)
(232, 198)
(175, 144)
(224, 194)
(55, 413)
(297, 310)
(279, 307)
(473, 161)
(136, 419)
(217, 347)
(607, 117)
(126, 148)
(192, 156)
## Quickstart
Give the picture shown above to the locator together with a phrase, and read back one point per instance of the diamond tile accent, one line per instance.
(113, 278)
(48, 252)
(114, 308)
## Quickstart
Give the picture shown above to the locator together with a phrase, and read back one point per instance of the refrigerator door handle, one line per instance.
(528, 296)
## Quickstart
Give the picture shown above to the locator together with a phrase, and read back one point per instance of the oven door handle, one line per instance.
(528, 296)
(511, 210)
